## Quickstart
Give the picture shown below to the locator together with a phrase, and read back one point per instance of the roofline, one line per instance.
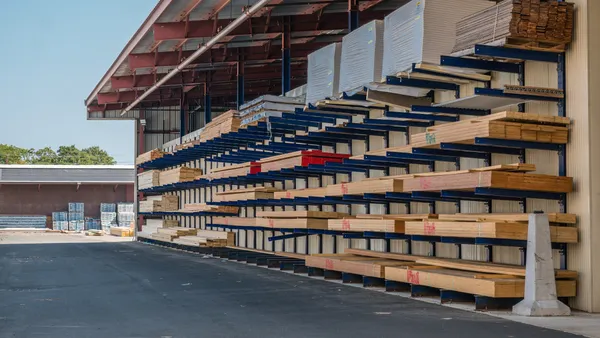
(47, 166)
(158, 10)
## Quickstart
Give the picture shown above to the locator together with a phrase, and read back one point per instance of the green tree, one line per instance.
(64, 155)
(14, 155)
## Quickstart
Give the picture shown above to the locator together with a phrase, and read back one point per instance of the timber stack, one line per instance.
(149, 156)
(207, 238)
(162, 203)
(235, 170)
(201, 207)
(169, 234)
(181, 174)
(301, 158)
(148, 179)
(528, 24)
(225, 123)
(266, 106)
(245, 194)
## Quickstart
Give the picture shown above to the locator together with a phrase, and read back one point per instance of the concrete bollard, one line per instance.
(540, 282)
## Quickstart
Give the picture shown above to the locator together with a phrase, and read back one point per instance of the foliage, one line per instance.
(64, 155)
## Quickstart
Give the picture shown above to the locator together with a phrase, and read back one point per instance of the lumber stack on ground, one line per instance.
(202, 207)
(161, 203)
(246, 194)
(365, 266)
(225, 123)
(308, 192)
(299, 158)
(228, 236)
(528, 24)
(149, 156)
(148, 179)
(121, 231)
(181, 174)
(504, 125)
(235, 170)
(301, 214)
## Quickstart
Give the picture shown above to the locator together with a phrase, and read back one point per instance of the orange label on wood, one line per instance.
(226, 221)
(344, 188)
(345, 224)
(328, 264)
(429, 228)
(412, 277)
(425, 182)
(271, 223)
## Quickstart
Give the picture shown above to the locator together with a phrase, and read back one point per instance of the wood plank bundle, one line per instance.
(507, 217)
(228, 236)
(490, 229)
(200, 241)
(235, 170)
(246, 194)
(159, 203)
(148, 179)
(300, 158)
(121, 231)
(186, 145)
(504, 125)
(202, 207)
(358, 224)
(239, 221)
(301, 214)
(178, 231)
(529, 24)
(292, 223)
(308, 192)
(365, 266)
(181, 174)
(149, 156)
(222, 124)
(379, 186)
(383, 152)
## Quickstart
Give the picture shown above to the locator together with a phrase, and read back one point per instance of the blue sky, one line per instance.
(52, 55)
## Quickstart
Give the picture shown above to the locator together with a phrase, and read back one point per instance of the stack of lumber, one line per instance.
(201, 207)
(365, 266)
(186, 145)
(159, 203)
(504, 125)
(375, 186)
(246, 194)
(308, 192)
(530, 24)
(149, 156)
(383, 152)
(148, 179)
(300, 158)
(222, 124)
(499, 226)
(238, 221)
(284, 222)
(378, 223)
(181, 174)
(268, 105)
(168, 234)
(208, 238)
(121, 231)
(296, 219)
(235, 170)
(301, 214)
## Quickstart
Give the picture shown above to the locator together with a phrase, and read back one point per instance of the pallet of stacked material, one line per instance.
(161, 203)
(356, 224)
(364, 266)
(504, 125)
(308, 192)
(124, 208)
(375, 186)
(266, 106)
(300, 158)
(76, 207)
(108, 207)
(527, 24)
(121, 231)
(163, 237)
(181, 174)
(301, 214)
(292, 223)
(362, 56)
(482, 284)
(148, 179)
(149, 156)
(201, 207)
(323, 73)
(489, 229)
(222, 124)
(235, 170)
(246, 194)
(421, 31)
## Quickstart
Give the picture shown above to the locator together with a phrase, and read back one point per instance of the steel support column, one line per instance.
(183, 116)
(352, 15)
(207, 106)
(240, 80)
(286, 68)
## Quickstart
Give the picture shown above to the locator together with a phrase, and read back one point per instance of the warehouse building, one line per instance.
(191, 60)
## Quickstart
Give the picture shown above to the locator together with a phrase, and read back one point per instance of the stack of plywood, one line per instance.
(149, 156)
(300, 158)
(201, 207)
(246, 194)
(268, 105)
(235, 170)
(222, 124)
(531, 24)
(181, 174)
(504, 125)
(148, 179)
(378, 223)
(159, 203)
(500, 226)
(208, 238)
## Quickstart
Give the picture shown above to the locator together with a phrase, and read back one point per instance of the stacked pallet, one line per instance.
(235, 170)
(148, 179)
(181, 174)
(246, 194)
(201, 207)
(168, 234)
(504, 125)
(208, 238)
(531, 24)
(149, 156)
(268, 105)
(300, 158)
(377, 223)
(161, 203)
(499, 226)
(225, 123)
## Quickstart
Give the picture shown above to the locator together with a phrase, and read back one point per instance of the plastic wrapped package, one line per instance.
(362, 56)
(423, 30)
(323, 78)
(298, 92)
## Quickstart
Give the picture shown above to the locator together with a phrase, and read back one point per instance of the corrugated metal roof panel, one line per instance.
(67, 174)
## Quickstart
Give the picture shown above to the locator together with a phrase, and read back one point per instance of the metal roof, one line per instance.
(176, 28)
(67, 174)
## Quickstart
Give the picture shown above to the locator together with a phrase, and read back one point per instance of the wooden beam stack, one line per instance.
(169, 234)
(159, 203)
(148, 179)
(181, 174)
(301, 214)
(149, 156)
(225, 123)
(529, 24)
(235, 170)
(300, 158)
(201, 207)
(378, 223)
(208, 238)
(312, 192)
(246, 194)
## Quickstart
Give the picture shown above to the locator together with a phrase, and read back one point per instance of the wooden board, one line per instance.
(247, 196)
(181, 174)
(356, 224)
(178, 231)
(383, 152)
(278, 253)
(202, 207)
(292, 223)
(300, 214)
(500, 230)
(552, 217)
(148, 179)
(309, 192)
(255, 189)
(229, 236)
(405, 217)
(149, 156)
(363, 187)
(365, 266)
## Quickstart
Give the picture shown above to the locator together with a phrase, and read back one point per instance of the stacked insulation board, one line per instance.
(268, 105)
(323, 80)
(362, 56)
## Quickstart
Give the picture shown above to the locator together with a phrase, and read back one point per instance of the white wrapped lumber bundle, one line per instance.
(159, 203)
(222, 124)
(421, 31)
(504, 125)
(529, 24)
(245, 194)
(266, 106)
(149, 156)
(181, 174)
(148, 179)
(201, 207)
(362, 56)
(323, 80)
(298, 93)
